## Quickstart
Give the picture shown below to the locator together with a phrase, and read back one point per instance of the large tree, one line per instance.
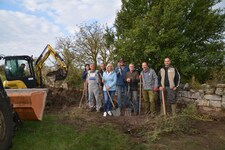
(92, 43)
(66, 47)
(191, 32)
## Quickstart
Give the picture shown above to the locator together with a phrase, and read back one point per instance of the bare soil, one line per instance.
(209, 135)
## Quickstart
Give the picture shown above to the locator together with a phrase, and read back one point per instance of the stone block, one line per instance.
(192, 91)
(197, 95)
(204, 85)
(179, 94)
(213, 97)
(207, 108)
(186, 86)
(215, 103)
(209, 90)
(219, 91)
(220, 85)
(186, 94)
(185, 99)
(201, 91)
(223, 105)
(223, 98)
(202, 102)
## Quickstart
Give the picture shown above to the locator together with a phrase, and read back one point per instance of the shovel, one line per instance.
(82, 95)
(163, 102)
(115, 111)
(128, 110)
(140, 99)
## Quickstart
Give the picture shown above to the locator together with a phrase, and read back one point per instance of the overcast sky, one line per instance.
(27, 26)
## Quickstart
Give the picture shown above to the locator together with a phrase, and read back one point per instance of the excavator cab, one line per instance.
(19, 72)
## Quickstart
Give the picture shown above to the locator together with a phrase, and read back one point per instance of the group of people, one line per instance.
(124, 79)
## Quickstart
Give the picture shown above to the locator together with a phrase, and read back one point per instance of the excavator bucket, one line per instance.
(28, 103)
(59, 74)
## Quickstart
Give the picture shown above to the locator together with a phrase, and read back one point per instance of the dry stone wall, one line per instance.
(208, 98)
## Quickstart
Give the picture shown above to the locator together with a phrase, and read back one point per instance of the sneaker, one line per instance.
(104, 114)
(110, 113)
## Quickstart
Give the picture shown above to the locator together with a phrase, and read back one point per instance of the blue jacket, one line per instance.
(84, 74)
(109, 80)
(120, 77)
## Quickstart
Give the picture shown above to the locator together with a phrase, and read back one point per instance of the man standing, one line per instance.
(132, 79)
(150, 84)
(169, 80)
(93, 82)
(121, 70)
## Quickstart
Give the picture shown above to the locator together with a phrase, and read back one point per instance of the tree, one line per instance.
(190, 32)
(91, 44)
(66, 47)
(108, 48)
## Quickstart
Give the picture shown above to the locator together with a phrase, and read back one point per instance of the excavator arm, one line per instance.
(60, 74)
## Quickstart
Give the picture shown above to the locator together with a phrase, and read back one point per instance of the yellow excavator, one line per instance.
(22, 96)
(20, 73)
(24, 85)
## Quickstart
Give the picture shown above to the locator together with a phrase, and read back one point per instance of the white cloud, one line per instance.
(73, 12)
(25, 34)
(35, 23)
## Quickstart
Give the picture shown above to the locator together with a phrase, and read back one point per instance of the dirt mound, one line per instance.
(58, 98)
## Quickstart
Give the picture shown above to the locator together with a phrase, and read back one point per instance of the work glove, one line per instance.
(155, 88)
(140, 76)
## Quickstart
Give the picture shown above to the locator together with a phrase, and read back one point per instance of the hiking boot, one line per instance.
(110, 113)
(153, 114)
(147, 112)
(135, 113)
(91, 109)
(104, 114)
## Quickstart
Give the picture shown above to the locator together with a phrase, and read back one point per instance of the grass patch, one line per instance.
(52, 134)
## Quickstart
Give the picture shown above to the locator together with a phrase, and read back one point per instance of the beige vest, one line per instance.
(171, 75)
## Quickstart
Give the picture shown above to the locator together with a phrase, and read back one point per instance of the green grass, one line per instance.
(51, 134)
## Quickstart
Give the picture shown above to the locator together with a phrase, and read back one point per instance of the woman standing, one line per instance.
(109, 79)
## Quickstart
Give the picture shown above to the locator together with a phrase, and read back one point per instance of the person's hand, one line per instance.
(107, 88)
(120, 71)
(102, 81)
(175, 88)
(140, 76)
(155, 88)
(160, 88)
(128, 79)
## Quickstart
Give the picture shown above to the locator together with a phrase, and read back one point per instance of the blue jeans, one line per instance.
(122, 90)
(133, 94)
(107, 101)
